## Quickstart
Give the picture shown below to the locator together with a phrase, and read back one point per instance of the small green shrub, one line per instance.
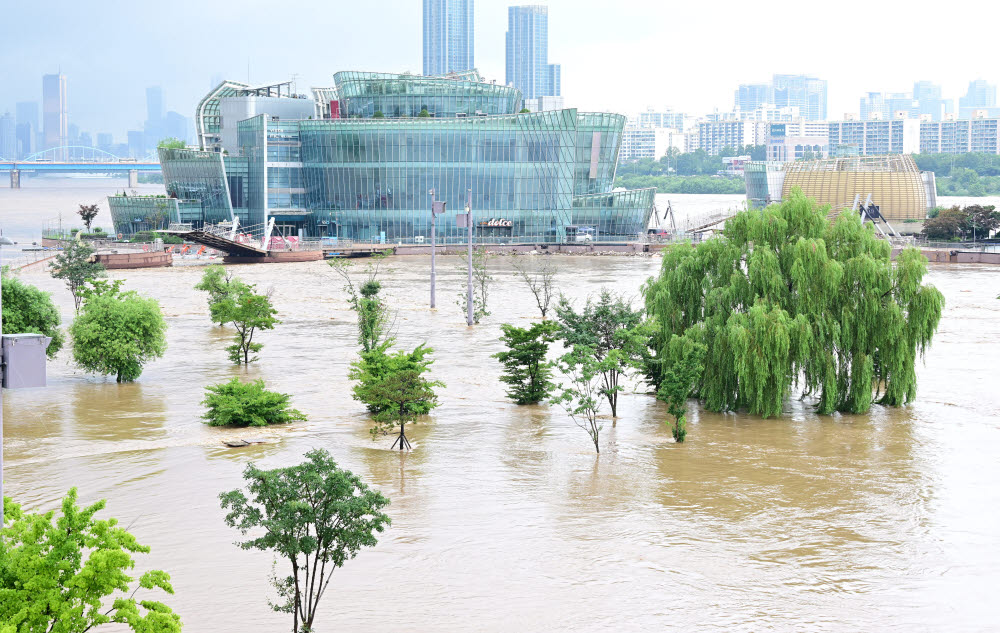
(236, 403)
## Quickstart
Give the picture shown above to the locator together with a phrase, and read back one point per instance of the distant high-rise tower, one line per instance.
(54, 118)
(808, 93)
(980, 96)
(26, 115)
(154, 103)
(749, 97)
(528, 67)
(928, 100)
(8, 138)
(449, 38)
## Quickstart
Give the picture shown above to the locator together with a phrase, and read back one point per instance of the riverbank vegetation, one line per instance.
(26, 309)
(971, 222)
(232, 301)
(73, 573)
(971, 174)
(785, 296)
(237, 403)
(525, 370)
(75, 267)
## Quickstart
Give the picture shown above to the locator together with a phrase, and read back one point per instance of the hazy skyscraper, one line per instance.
(528, 67)
(8, 139)
(26, 116)
(154, 103)
(928, 100)
(980, 96)
(54, 117)
(808, 93)
(449, 39)
(749, 97)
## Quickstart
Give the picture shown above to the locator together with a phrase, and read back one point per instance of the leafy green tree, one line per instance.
(87, 213)
(248, 312)
(424, 114)
(378, 115)
(614, 331)
(26, 309)
(74, 265)
(681, 376)
(525, 369)
(948, 224)
(117, 332)
(393, 387)
(374, 320)
(524, 111)
(237, 403)
(785, 296)
(219, 284)
(316, 516)
(71, 574)
(171, 143)
(481, 282)
(981, 220)
(581, 392)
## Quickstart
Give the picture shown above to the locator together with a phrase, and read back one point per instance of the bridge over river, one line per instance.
(78, 160)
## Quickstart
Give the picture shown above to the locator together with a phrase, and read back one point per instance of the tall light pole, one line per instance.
(437, 207)
(468, 296)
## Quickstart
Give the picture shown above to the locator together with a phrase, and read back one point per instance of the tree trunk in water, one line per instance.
(402, 435)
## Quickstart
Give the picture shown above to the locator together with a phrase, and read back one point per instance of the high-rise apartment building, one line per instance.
(26, 118)
(751, 97)
(54, 116)
(958, 136)
(807, 93)
(980, 96)
(8, 137)
(449, 36)
(900, 135)
(528, 67)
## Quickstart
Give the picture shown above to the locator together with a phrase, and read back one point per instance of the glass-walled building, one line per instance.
(364, 167)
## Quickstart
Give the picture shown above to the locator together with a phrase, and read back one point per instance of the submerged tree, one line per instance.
(394, 388)
(220, 284)
(683, 371)
(374, 320)
(316, 516)
(615, 332)
(481, 282)
(117, 332)
(581, 393)
(75, 266)
(248, 312)
(525, 370)
(539, 276)
(785, 297)
(73, 573)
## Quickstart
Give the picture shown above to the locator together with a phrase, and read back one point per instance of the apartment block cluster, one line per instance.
(788, 116)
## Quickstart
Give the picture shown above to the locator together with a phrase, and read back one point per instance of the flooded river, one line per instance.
(503, 517)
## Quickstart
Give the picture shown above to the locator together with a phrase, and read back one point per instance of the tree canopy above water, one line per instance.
(786, 297)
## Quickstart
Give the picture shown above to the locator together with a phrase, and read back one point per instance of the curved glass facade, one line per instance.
(533, 177)
(395, 96)
(132, 214)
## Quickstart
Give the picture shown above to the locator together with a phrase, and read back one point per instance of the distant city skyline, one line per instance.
(106, 84)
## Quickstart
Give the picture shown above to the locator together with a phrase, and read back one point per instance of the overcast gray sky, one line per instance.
(616, 55)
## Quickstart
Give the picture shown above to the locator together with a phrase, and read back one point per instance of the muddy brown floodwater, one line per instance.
(503, 517)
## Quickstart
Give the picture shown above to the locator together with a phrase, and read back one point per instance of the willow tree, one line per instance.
(787, 298)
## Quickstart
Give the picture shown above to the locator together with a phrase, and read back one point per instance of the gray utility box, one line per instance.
(24, 360)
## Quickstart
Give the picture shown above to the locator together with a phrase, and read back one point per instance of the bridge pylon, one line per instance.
(133, 178)
(15, 179)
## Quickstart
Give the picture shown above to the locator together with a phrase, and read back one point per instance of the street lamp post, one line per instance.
(437, 208)
(468, 296)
